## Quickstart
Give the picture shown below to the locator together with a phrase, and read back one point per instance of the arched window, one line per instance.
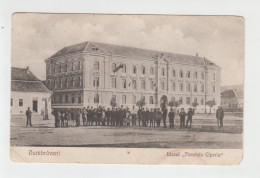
(96, 98)
(188, 100)
(60, 67)
(188, 87)
(60, 83)
(180, 100)
(65, 67)
(79, 81)
(202, 75)
(79, 98)
(133, 84)
(96, 82)
(134, 69)
(66, 83)
(79, 65)
(151, 71)
(181, 74)
(123, 99)
(113, 67)
(142, 84)
(163, 72)
(96, 65)
(195, 75)
(173, 73)
(173, 86)
(195, 100)
(188, 74)
(151, 100)
(48, 70)
(143, 70)
(72, 83)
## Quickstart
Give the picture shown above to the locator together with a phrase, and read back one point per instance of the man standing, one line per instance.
(134, 116)
(108, 115)
(171, 116)
(164, 115)
(182, 115)
(140, 116)
(189, 114)
(29, 117)
(220, 116)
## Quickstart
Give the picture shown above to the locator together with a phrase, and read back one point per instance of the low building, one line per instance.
(28, 91)
(92, 74)
(232, 100)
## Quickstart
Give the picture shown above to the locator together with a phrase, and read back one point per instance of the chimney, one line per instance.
(197, 54)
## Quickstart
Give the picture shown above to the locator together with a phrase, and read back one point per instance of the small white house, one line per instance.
(28, 91)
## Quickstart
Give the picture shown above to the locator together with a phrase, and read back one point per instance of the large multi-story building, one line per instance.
(91, 74)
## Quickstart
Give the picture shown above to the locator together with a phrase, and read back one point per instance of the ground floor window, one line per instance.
(20, 102)
(96, 98)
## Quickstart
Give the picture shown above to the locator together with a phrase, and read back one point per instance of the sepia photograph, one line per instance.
(160, 84)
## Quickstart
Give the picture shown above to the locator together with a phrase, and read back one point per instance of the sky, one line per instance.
(36, 37)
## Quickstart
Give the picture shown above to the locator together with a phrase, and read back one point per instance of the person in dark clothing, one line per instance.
(134, 116)
(189, 114)
(171, 116)
(151, 117)
(182, 115)
(113, 117)
(84, 117)
(164, 115)
(62, 119)
(108, 115)
(29, 117)
(159, 117)
(220, 116)
(140, 116)
(145, 117)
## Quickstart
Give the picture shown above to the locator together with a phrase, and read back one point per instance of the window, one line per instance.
(80, 81)
(96, 82)
(66, 67)
(134, 69)
(195, 100)
(79, 65)
(96, 98)
(180, 100)
(151, 71)
(60, 67)
(113, 82)
(202, 75)
(54, 83)
(151, 85)
(181, 74)
(20, 102)
(72, 66)
(188, 74)
(53, 69)
(202, 101)
(143, 98)
(163, 72)
(134, 84)
(173, 86)
(188, 87)
(143, 70)
(72, 82)
(142, 84)
(124, 68)
(72, 98)
(151, 100)
(67, 82)
(60, 83)
(123, 83)
(60, 99)
(79, 98)
(202, 88)
(180, 86)
(96, 65)
(48, 70)
(173, 73)
(195, 88)
(188, 100)
(11, 102)
(49, 83)
(162, 85)
(134, 99)
(124, 99)
(114, 97)
(195, 75)
(113, 67)
(66, 98)
(213, 88)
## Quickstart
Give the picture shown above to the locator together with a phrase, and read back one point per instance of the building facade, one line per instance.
(28, 91)
(91, 74)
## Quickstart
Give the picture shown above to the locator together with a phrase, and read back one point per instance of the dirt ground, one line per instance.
(203, 134)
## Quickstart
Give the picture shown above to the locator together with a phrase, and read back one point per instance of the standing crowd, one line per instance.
(121, 117)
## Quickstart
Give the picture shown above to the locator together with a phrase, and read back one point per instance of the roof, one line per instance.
(22, 74)
(228, 94)
(118, 50)
(23, 80)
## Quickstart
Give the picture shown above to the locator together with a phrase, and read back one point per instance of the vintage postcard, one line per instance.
(127, 89)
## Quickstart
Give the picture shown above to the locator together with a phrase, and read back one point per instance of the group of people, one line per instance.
(121, 117)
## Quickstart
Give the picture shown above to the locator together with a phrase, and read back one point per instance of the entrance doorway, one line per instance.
(35, 105)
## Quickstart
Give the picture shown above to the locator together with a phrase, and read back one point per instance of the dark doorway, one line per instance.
(35, 105)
